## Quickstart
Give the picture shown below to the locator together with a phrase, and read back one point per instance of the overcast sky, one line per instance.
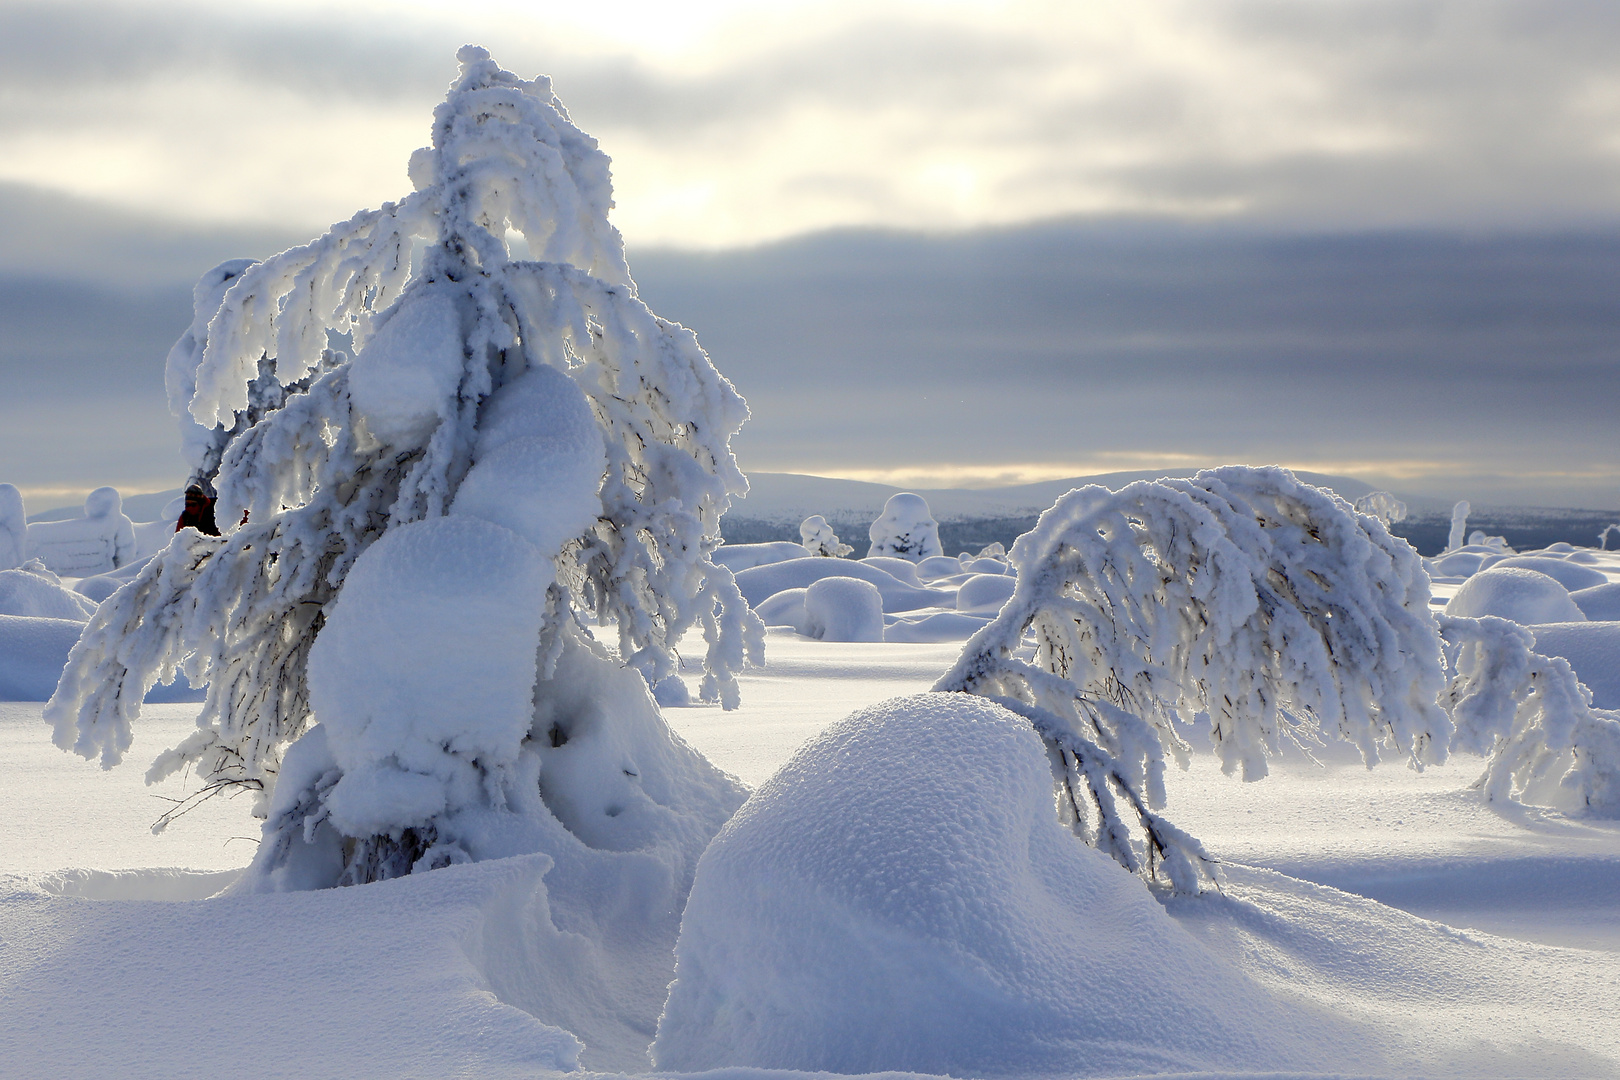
(141, 142)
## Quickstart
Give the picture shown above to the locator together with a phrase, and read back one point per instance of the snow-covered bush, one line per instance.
(818, 538)
(1459, 525)
(1243, 595)
(905, 530)
(1383, 506)
(843, 609)
(100, 541)
(1531, 717)
(515, 444)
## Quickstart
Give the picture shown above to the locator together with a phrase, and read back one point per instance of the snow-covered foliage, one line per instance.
(818, 538)
(100, 541)
(525, 435)
(905, 530)
(1383, 506)
(1531, 717)
(1608, 531)
(1243, 595)
(13, 528)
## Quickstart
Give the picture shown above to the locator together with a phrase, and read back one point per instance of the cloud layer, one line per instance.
(772, 121)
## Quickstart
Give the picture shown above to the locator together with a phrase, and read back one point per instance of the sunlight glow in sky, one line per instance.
(732, 123)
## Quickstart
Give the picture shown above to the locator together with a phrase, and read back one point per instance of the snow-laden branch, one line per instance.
(1242, 595)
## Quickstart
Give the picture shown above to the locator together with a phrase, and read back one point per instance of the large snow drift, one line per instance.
(875, 908)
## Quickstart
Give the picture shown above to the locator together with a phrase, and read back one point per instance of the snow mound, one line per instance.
(785, 608)
(747, 556)
(1601, 603)
(760, 582)
(33, 652)
(873, 908)
(985, 592)
(1571, 575)
(900, 569)
(906, 529)
(843, 609)
(35, 592)
(1593, 650)
(934, 626)
(1510, 592)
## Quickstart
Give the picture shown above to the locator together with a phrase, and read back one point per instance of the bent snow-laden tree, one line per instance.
(1242, 595)
(414, 535)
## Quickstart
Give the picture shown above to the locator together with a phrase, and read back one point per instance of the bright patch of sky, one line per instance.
(732, 122)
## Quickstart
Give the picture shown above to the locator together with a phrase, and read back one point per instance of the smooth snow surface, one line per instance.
(37, 593)
(1510, 592)
(1593, 650)
(1422, 842)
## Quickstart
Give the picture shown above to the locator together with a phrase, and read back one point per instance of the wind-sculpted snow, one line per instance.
(542, 445)
(843, 609)
(1241, 594)
(759, 582)
(872, 908)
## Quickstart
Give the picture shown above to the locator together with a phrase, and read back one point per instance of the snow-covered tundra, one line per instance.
(393, 635)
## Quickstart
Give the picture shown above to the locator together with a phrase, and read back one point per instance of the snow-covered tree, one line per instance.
(818, 538)
(905, 530)
(1459, 526)
(1243, 596)
(413, 535)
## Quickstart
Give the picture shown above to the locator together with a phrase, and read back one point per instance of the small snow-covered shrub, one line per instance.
(515, 445)
(1243, 595)
(100, 541)
(13, 528)
(1383, 506)
(1532, 718)
(843, 609)
(905, 530)
(1459, 525)
(1508, 592)
(817, 537)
